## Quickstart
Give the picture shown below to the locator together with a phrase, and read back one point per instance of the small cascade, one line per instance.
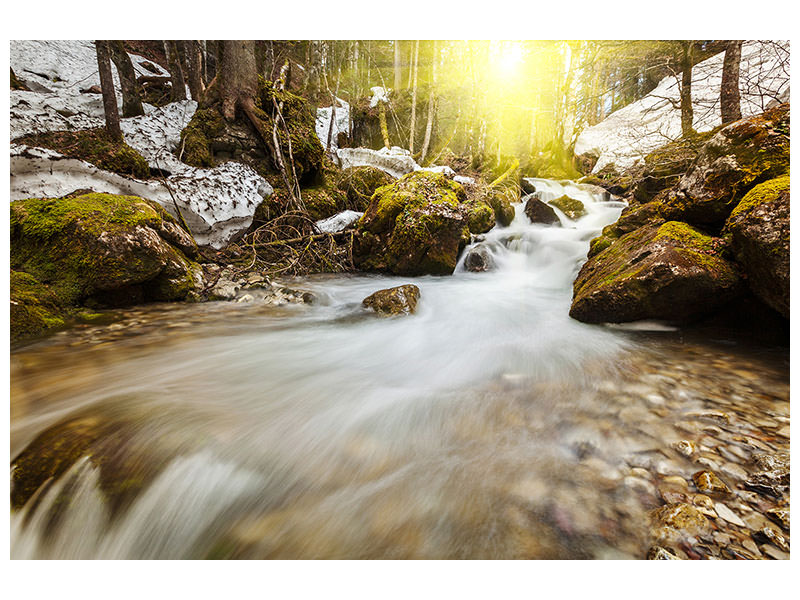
(547, 255)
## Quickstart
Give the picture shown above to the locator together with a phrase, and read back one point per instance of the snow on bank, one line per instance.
(341, 123)
(218, 204)
(339, 221)
(634, 131)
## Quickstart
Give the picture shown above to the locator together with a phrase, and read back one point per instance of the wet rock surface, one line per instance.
(538, 211)
(400, 300)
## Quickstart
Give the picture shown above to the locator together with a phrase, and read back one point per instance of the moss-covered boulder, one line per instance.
(322, 202)
(672, 272)
(94, 146)
(735, 159)
(665, 166)
(480, 216)
(539, 212)
(113, 250)
(34, 307)
(415, 226)
(574, 209)
(400, 300)
(501, 199)
(759, 231)
(360, 183)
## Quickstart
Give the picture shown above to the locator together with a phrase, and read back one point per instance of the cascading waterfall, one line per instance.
(328, 432)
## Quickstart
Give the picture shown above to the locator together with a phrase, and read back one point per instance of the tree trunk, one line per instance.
(687, 112)
(238, 77)
(384, 126)
(175, 71)
(397, 69)
(730, 103)
(194, 61)
(107, 86)
(131, 100)
(431, 106)
(415, 67)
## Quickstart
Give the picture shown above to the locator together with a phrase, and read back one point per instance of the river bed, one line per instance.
(487, 425)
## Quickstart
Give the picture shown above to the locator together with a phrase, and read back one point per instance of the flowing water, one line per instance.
(487, 425)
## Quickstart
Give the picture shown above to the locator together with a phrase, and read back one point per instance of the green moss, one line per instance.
(501, 202)
(322, 202)
(683, 234)
(85, 245)
(34, 308)
(94, 146)
(359, 184)
(768, 191)
(413, 190)
(574, 209)
(206, 124)
(480, 216)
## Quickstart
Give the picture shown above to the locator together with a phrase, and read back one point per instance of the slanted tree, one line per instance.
(730, 103)
(131, 97)
(175, 71)
(110, 109)
(687, 112)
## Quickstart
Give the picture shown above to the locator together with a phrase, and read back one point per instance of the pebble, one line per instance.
(780, 516)
(684, 447)
(769, 534)
(751, 547)
(773, 552)
(659, 553)
(726, 513)
(733, 471)
(708, 482)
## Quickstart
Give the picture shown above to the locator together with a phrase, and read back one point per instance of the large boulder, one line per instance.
(736, 158)
(500, 199)
(416, 226)
(664, 166)
(759, 231)
(539, 212)
(479, 259)
(112, 250)
(400, 300)
(671, 272)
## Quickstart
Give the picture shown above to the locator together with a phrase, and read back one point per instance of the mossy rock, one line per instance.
(360, 183)
(670, 272)
(400, 300)
(665, 166)
(34, 307)
(574, 209)
(323, 202)
(539, 212)
(415, 226)
(113, 437)
(759, 232)
(735, 159)
(94, 146)
(480, 216)
(115, 250)
(501, 202)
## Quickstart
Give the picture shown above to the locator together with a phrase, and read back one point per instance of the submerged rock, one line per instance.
(729, 164)
(672, 272)
(112, 250)
(416, 226)
(659, 553)
(539, 212)
(677, 521)
(759, 230)
(479, 259)
(400, 300)
(708, 483)
(574, 209)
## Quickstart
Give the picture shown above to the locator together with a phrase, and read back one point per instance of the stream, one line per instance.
(487, 425)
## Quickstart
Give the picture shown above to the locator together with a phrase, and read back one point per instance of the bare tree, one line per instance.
(687, 112)
(431, 105)
(103, 48)
(175, 71)
(730, 103)
(397, 70)
(415, 67)
(131, 99)
(194, 62)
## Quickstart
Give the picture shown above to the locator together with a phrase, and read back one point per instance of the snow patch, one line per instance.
(629, 134)
(341, 122)
(218, 204)
(379, 94)
(339, 221)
